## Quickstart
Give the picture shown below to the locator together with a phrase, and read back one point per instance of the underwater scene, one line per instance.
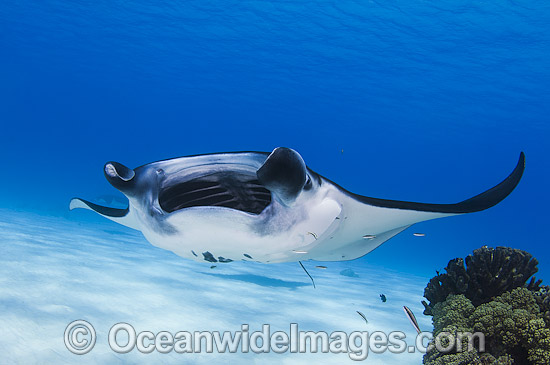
(274, 182)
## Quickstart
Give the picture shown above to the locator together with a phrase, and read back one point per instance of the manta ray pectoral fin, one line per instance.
(115, 214)
(284, 174)
(477, 203)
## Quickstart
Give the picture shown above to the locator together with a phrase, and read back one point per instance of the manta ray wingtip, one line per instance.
(522, 159)
(76, 203)
(517, 173)
(498, 193)
(105, 211)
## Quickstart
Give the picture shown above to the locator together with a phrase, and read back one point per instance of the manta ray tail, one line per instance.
(300, 262)
(117, 215)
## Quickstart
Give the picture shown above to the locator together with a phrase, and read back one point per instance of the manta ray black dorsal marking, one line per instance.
(269, 206)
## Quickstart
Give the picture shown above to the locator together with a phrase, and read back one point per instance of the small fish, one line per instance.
(383, 298)
(419, 234)
(313, 234)
(342, 150)
(369, 236)
(320, 267)
(412, 318)
(363, 316)
(213, 266)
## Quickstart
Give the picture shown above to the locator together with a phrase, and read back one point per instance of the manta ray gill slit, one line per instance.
(236, 190)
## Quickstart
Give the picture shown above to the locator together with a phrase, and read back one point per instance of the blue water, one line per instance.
(422, 101)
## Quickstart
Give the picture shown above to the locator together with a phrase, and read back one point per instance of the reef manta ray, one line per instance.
(264, 207)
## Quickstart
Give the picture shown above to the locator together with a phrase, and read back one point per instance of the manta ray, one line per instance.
(264, 207)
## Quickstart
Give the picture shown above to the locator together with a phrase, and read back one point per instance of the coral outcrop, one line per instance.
(490, 295)
(488, 272)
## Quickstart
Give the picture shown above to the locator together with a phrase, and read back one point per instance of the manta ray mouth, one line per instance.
(236, 190)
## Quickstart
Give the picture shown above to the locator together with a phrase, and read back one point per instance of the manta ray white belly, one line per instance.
(221, 234)
(264, 207)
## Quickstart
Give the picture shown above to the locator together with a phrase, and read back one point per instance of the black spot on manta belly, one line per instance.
(209, 257)
(223, 259)
(247, 255)
(193, 252)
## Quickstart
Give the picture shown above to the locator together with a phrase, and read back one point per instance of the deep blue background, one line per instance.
(429, 101)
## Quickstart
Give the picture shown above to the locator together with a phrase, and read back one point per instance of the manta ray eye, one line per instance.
(308, 184)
